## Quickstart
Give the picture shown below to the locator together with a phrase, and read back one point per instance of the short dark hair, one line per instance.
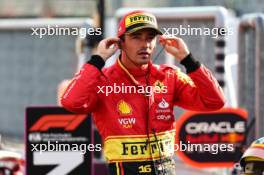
(122, 37)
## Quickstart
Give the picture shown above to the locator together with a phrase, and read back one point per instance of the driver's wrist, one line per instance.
(183, 55)
(97, 61)
(104, 57)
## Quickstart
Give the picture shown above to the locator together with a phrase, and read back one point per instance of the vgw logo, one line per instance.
(127, 122)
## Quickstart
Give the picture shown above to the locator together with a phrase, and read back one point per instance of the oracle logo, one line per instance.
(223, 128)
(220, 127)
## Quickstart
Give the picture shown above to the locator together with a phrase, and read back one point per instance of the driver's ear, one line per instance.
(119, 44)
(121, 40)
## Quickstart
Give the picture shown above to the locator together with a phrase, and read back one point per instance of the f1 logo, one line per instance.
(68, 122)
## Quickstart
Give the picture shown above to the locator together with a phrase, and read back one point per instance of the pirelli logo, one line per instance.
(137, 148)
(140, 18)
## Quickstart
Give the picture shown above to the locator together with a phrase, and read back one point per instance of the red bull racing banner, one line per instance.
(211, 139)
(58, 142)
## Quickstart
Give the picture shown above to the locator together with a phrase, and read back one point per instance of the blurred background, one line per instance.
(34, 71)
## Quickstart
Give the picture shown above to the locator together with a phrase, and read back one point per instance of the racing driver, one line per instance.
(132, 101)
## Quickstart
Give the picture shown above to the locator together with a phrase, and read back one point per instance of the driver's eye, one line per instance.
(135, 37)
(151, 37)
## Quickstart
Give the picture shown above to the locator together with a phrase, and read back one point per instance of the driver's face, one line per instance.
(140, 45)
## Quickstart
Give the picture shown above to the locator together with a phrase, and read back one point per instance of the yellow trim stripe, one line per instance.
(127, 72)
(257, 145)
(117, 169)
(142, 136)
(254, 159)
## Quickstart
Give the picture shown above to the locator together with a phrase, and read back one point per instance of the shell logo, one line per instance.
(124, 108)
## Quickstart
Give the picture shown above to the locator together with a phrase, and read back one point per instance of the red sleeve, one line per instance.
(81, 95)
(198, 91)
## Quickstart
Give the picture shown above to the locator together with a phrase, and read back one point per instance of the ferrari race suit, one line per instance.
(138, 128)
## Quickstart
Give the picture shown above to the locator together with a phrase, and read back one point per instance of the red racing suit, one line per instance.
(138, 124)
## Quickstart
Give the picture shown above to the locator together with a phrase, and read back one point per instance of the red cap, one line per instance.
(137, 20)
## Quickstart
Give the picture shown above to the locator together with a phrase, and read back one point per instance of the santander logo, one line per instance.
(163, 104)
